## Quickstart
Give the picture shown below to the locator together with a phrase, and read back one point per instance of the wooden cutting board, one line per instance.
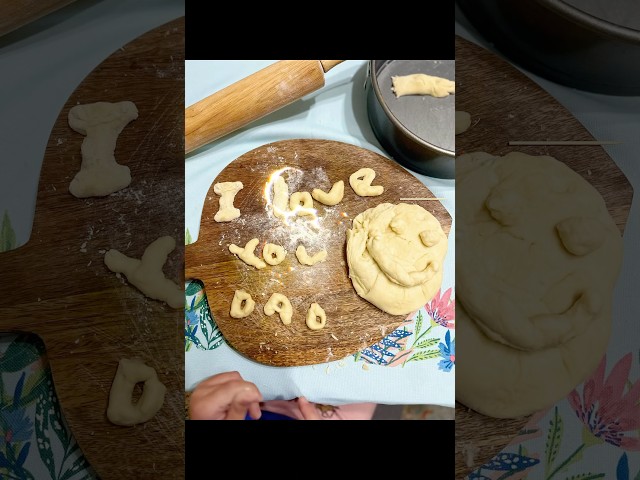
(352, 322)
(58, 287)
(505, 105)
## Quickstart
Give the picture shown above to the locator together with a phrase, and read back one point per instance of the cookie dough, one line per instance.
(281, 304)
(305, 259)
(246, 254)
(121, 410)
(332, 197)
(463, 122)
(238, 310)
(395, 255)
(422, 84)
(316, 318)
(280, 201)
(101, 122)
(273, 254)
(227, 192)
(301, 204)
(538, 257)
(146, 274)
(361, 180)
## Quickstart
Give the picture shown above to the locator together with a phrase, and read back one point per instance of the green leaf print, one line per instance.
(429, 342)
(193, 288)
(79, 464)
(7, 235)
(589, 438)
(204, 330)
(210, 329)
(424, 355)
(187, 238)
(55, 422)
(44, 443)
(30, 385)
(17, 357)
(418, 323)
(554, 439)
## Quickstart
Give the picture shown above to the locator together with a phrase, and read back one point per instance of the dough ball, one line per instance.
(537, 258)
(395, 255)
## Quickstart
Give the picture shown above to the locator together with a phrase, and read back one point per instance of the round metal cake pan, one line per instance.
(564, 43)
(417, 131)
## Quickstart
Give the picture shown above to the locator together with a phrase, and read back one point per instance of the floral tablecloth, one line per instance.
(415, 364)
(35, 442)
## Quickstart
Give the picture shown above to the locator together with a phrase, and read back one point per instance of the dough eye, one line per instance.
(429, 237)
(580, 235)
(398, 225)
(279, 305)
(243, 303)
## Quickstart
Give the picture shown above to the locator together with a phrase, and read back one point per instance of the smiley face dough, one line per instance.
(395, 255)
(538, 256)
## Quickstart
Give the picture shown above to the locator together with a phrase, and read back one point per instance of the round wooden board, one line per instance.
(58, 287)
(354, 322)
(505, 105)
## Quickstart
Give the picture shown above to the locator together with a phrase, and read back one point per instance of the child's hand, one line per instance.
(225, 396)
(308, 409)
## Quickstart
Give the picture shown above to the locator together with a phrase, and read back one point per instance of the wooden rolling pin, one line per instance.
(252, 98)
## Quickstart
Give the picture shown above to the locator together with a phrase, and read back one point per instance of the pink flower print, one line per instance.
(442, 309)
(606, 410)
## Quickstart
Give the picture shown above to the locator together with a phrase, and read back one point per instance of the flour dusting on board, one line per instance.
(314, 232)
